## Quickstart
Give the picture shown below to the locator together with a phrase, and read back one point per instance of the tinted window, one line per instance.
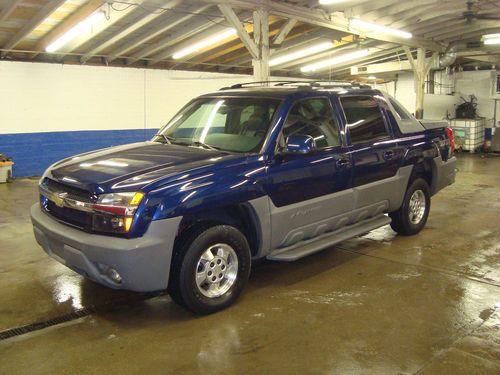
(313, 117)
(364, 119)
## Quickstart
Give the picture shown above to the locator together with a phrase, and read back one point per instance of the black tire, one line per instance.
(183, 287)
(401, 221)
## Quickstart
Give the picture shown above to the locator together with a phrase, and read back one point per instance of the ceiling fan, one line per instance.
(472, 13)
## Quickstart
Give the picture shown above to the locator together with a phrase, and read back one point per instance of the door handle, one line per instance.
(343, 163)
(388, 155)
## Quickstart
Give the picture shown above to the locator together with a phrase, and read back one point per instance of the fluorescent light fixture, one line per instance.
(491, 39)
(330, 2)
(301, 53)
(204, 43)
(334, 61)
(375, 27)
(84, 26)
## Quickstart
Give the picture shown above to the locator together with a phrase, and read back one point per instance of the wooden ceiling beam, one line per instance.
(71, 21)
(320, 18)
(139, 22)
(8, 8)
(166, 25)
(42, 14)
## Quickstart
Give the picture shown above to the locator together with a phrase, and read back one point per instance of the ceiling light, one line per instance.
(84, 26)
(372, 77)
(204, 43)
(301, 53)
(335, 61)
(330, 2)
(491, 39)
(383, 29)
(489, 36)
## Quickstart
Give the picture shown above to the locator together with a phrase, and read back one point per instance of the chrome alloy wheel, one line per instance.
(216, 270)
(416, 209)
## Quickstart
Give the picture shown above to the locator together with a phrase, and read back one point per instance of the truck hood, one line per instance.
(130, 166)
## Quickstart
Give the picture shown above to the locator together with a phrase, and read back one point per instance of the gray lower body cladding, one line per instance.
(143, 263)
(443, 173)
(308, 219)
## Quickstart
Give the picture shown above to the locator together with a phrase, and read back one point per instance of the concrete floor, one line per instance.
(378, 304)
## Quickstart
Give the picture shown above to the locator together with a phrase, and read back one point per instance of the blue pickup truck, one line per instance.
(245, 173)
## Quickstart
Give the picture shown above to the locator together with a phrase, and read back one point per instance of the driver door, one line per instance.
(309, 193)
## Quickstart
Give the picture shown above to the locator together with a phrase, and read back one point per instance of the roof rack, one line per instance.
(259, 83)
(303, 84)
(340, 84)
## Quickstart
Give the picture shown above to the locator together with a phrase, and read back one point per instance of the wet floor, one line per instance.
(378, 304)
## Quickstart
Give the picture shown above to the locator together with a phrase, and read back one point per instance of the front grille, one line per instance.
(75, 218)
(73, 193)
(66, 215)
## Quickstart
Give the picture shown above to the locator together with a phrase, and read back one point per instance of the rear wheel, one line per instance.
(210, 269)
(412, 215)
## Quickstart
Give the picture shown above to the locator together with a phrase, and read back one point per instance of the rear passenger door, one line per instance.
(374, 153)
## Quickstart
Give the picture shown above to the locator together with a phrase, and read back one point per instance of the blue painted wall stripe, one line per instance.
(32, 153)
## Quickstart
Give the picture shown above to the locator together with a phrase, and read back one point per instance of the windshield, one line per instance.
(228, 124)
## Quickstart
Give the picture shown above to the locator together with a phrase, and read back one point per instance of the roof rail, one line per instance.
(334, 83)
(304, 84)
(259, 83)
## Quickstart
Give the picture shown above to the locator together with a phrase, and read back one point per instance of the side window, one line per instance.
(313, 117)
(364, 119)
(254, 119)
(403, 115)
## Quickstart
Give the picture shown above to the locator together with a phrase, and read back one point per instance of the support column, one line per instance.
(261, 70)
(420, 83)
(259, 46)
(420, 71)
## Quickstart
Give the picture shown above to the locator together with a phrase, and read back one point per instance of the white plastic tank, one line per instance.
(5, 171)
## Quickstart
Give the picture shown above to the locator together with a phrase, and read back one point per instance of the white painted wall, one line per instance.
(479, 84)
(435, 106)
(37, 97)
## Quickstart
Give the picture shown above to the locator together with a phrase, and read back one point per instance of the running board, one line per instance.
(311, 246)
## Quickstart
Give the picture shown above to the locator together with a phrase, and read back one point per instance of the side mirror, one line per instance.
(300, 144)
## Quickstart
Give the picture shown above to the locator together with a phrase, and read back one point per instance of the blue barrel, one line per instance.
(487, 134)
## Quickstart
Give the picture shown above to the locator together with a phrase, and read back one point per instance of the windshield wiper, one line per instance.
(166, 138)
(202, 144)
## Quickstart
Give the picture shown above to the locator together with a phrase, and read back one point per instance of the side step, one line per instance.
(304, 248)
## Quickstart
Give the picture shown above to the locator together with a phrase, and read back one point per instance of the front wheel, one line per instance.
(412, 215)
(210, 269)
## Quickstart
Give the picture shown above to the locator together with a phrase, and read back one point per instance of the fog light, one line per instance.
(114, 275)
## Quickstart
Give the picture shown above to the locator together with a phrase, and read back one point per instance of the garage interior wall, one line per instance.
(478, 83)
(52, 111)
(436, 106)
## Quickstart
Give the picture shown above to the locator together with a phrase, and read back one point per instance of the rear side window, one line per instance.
(364, 119)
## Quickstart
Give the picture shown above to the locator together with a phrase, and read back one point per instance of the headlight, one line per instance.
(114, 212)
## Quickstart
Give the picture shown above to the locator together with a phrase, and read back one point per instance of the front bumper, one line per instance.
(143, 263)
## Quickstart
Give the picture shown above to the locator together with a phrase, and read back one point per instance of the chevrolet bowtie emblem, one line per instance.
(59, 199)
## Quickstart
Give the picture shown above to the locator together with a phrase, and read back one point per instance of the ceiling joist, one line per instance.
(74, 19)
(8, 9)
(233, 19)
(320, 18)
(42, 14)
